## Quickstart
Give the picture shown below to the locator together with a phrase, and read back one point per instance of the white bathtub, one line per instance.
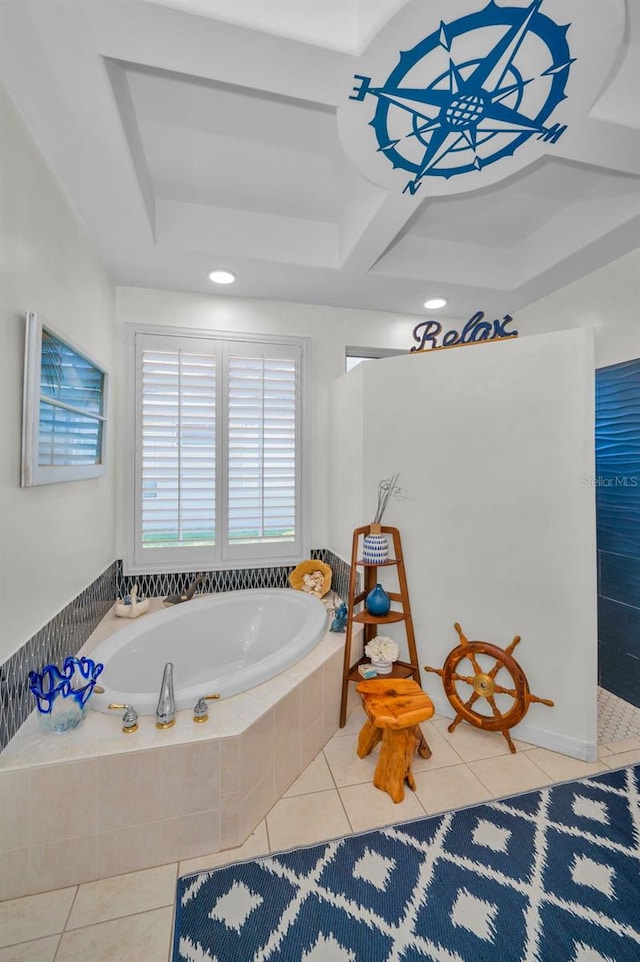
(219, 644)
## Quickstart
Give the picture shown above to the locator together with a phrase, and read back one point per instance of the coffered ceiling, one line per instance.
(357, 153)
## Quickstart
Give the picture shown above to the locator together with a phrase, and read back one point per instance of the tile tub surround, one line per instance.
(95, 802)
(68, 631)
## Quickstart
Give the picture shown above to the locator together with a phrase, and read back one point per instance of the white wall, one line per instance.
(605, 301)
(55, 539)
(492, 443)
(330, 330)
(349, 491)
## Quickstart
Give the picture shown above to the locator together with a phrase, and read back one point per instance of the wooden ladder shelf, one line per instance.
(400, 612)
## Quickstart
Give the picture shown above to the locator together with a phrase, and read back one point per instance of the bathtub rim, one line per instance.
(243, 679)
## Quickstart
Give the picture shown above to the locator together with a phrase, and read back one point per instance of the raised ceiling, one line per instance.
(193, 134)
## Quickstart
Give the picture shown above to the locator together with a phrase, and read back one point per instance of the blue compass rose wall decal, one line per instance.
(480, 108)
(471, 93)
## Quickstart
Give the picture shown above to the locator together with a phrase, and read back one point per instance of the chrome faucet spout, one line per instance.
(166, 708)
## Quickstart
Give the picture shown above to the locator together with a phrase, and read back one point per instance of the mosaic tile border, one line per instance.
(64, 635)
(159, 585)
(340, 574)
(67, 631)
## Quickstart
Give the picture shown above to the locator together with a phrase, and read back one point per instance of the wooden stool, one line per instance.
(395, 707)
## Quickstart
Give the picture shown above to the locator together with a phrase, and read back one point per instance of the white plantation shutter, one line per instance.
(178, 448)
(218, 452)
(262, 448)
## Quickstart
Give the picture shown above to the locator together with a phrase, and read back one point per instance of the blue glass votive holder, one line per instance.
(61, 694)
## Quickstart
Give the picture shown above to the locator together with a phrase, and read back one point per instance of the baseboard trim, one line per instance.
(555, 741)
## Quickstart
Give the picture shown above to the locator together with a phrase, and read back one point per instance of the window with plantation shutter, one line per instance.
(219, 425)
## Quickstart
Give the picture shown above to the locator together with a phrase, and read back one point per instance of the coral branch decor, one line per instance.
(387, 488)
(61, 694)
(483, 680)
(375, 549)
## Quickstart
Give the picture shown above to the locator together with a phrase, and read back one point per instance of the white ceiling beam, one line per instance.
(369, 229)
(223, 231)
(600, 143)
(166, 39)
(448, 262)
(118, 77)
(588, 224)
(577, 265)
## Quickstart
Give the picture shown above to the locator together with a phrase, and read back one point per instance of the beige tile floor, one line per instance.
(129, 918)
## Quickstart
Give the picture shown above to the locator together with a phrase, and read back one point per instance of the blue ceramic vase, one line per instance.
(375, 549)
(378, 602)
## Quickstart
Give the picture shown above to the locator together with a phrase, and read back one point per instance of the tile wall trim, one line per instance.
(157, 585)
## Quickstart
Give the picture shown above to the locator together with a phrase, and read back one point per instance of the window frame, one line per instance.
(137, 560)
(32, 472)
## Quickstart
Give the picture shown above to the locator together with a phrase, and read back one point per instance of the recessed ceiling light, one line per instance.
(435, 303)
(222, 277)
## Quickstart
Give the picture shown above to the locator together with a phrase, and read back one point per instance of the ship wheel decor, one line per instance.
(514, 696)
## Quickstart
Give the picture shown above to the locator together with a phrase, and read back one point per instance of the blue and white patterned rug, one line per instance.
(550, 876)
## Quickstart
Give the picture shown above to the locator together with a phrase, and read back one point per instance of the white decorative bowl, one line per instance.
(382, 667)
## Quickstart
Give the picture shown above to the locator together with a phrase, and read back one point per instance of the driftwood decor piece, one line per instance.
(394, 708)
(484, 685)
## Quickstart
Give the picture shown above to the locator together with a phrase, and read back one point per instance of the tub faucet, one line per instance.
(201, 710)
(166, 708)
(129, 719)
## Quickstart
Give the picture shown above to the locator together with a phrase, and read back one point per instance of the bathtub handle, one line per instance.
(129, 719)
(201, 710)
